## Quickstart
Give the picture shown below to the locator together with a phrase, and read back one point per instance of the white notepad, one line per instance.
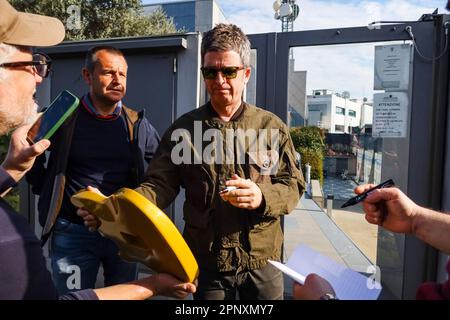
(348, 284)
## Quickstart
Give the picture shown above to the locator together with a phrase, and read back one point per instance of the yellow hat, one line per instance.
(26, 29)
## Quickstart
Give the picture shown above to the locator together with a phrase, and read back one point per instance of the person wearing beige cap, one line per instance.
(26, 29)
(23, 274)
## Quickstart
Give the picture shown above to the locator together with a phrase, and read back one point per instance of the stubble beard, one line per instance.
(20, 112)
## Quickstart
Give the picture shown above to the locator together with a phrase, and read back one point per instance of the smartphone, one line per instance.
(53, 117)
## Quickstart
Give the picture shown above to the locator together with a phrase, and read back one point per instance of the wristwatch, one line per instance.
(328, 296)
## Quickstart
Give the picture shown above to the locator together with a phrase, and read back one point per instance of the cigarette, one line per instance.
(228, 189)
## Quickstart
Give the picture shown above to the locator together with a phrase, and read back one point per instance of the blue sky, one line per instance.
(256, 16)
(354, 72)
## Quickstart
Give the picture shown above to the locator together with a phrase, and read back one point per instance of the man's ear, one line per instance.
(86, 76)
(247, 73)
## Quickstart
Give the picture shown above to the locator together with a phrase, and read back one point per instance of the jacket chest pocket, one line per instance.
(262, 164)
(199, 186)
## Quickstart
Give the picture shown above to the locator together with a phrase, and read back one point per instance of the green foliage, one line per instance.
(13, 199)
(13, 196)
(308, 137)
(315, 160)
(308, 141)
(101, 19)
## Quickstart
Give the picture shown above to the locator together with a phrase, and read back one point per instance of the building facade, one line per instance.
(337, 113)
(298, 111)
(191, 16)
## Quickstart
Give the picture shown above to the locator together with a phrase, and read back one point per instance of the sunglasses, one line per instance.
(227, 72)
(41, 64)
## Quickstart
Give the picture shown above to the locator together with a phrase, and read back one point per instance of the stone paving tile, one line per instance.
(341, 189)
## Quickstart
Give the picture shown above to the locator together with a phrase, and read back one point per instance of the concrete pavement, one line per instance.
(346, 237)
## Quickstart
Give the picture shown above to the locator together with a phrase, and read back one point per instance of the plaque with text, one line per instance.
(390, 115)
(392, 67)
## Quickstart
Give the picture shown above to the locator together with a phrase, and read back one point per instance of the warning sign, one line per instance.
(390, 111)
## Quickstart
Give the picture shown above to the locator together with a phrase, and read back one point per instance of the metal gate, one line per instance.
(404, 261)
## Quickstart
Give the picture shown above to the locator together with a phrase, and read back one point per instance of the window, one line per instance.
(338, 128)
(340, 110)
(352, 113)
(317, 107)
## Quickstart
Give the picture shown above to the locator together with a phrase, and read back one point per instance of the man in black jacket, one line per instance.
(104, 144)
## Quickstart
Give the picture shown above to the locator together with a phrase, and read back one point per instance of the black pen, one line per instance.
(362, 196)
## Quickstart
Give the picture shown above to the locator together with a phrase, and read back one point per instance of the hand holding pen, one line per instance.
(388, 207)
(357, 199)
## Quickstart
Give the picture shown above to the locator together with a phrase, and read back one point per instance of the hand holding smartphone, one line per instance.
(53, 117)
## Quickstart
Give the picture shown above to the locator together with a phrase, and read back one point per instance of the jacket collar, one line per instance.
(236, 116)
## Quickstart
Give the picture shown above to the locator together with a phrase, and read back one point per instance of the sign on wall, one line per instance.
(390, 115)
(392, 67)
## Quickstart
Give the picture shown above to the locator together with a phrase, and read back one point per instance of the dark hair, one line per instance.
(91, 55)
(224, 37)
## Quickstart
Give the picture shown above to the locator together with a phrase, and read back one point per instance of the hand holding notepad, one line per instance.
(348, 284)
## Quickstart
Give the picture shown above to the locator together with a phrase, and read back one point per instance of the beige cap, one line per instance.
(26, 29)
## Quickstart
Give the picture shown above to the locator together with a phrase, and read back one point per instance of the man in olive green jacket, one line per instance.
(232, 234)
(229, 143)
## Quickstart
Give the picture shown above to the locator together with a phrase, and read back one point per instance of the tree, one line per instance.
(308, 137)
(100, 19)
(308, 141)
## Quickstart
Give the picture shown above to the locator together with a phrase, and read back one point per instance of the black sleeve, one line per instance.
(23, 272)
(152, 142)
(35, 176)
(6, 181)
(87, 294)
